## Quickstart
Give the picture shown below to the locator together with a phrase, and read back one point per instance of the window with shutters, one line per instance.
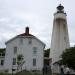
(34, 50)
(14, 61)
(34, 61)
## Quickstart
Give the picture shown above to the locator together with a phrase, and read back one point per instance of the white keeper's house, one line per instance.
(30, 47)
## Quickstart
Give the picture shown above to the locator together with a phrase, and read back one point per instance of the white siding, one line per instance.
(27, 51)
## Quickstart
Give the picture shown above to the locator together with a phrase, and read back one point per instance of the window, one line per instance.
(13, 69)
(29, 41)
(15, 50)
(34, 62)
(3, 54)
(21, 40)
(2, 62)
(14, 61)
(34, 50)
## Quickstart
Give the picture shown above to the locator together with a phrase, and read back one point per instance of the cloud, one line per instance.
(4, 19)
(15, 15)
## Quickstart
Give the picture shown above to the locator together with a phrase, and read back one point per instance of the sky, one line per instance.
(15, 15)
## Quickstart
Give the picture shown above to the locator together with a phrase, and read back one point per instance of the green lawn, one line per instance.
(22, 73)
(4, 74)
(27, 73)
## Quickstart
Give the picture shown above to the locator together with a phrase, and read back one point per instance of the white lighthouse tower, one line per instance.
(60, 38)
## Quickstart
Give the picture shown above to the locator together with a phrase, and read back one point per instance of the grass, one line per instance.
(22, 73)
(27, 73)
(4, 74)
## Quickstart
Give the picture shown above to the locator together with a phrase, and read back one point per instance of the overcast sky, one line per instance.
(15, 15)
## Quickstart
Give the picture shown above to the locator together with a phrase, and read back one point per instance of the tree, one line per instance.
(46, 52)
(20, 61)
(46, 55)
(2, 51)
(68, 57)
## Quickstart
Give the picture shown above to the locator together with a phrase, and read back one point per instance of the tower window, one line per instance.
(34, 62)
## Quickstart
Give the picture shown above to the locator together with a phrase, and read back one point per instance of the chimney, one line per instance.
(27, 30)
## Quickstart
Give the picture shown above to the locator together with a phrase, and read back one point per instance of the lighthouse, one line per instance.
(60, 37)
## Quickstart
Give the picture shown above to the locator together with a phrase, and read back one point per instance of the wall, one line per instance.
(27, 51)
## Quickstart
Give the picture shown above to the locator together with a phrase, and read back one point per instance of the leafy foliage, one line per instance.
(20, 57)
(46, 52)
(46, 55)
(68, 57)
(2, 50)
(20, 61)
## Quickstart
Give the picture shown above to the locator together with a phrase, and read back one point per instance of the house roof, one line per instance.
(26, 34)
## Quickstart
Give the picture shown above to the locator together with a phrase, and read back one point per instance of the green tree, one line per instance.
(20, 61)
(68, 57)
(2, 51)
(46, 55)
(47, 52)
